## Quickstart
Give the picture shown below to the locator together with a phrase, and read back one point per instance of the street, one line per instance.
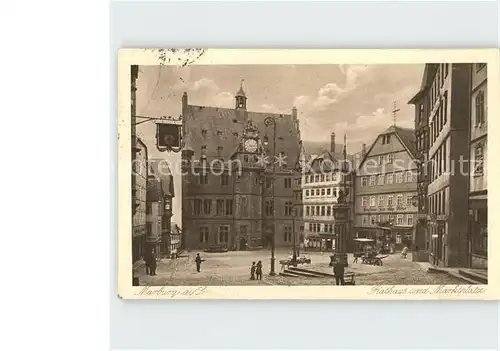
(233, 268)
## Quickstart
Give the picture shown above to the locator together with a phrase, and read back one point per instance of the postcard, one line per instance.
(307, 174)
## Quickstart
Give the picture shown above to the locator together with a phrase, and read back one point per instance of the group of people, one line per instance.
(256, 271)
(150, 260)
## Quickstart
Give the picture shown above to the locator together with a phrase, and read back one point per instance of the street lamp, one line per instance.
(268, 122)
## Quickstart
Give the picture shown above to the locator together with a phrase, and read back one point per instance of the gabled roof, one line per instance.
(427, 78)
(405, 135)
(218, 130)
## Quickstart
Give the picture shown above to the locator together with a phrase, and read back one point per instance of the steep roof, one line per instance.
(429, 72)
(218, 131)
(405, 135)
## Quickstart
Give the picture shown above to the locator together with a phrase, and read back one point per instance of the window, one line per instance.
(372, 201)
(409, 199)
(269, 208)
(322, 192)
(287, 235)
(288, 183)
(390, 200)
(307, 193)
(197, 207)
(398, 238)
(400, 219)
(328, 211)
(207, 206)
(400, 200)
(322, 178)
(410, 220)
(219, 207)
(312, 210)
(381, 201)
(399, 177)
(372, 180)
(288, 208)
(223, 234)
(308, 211)
(388, 139)
(328, 191)
(149, 229)
(224, 179)
(268, 182)
(244, 207)
(373, 220)
(390, 158)
(204, 235)
(409, 176)
(149, 208)
(229, 207)
(328, 177)
(381, 179)
(364, 200)
(478, 161)
(203, 179)
(381, 159)
(323, 210)
(317, 192)
(364, 181)
(421, 112)
(316, 177)
(390, 178)
(364, 219)
(480, 117)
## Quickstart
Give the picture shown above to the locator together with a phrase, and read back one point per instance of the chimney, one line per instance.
(332, 143)
(184, 102)
(363, 150)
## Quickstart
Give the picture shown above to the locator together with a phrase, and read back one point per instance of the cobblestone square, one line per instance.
(233, 268)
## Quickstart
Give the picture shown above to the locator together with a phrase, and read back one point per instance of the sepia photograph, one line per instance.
(331, 175)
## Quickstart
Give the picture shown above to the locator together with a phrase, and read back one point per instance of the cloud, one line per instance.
(331, 93)
(206, 92)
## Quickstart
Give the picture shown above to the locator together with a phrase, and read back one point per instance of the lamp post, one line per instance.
(268, 122)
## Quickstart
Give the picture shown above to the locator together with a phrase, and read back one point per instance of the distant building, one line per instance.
(325, 187)
(154, 213)
(140, 173)
(164, 191)
(445, 100)
(223, 206)
(175, 240)
(478, 188)
(386, 189)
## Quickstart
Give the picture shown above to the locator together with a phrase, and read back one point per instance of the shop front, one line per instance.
(478, 233)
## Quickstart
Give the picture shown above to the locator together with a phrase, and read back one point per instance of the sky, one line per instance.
(353, 99)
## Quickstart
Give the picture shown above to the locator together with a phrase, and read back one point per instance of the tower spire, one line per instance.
(395, 110)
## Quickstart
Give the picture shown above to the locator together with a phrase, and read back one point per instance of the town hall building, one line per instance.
(230, 197)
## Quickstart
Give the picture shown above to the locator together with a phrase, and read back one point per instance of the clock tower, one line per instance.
(249, 162)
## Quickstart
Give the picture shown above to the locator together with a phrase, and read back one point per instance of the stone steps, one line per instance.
(310, 271)
(454, 273)
(477, 276)
(289, 274)
(303, 274)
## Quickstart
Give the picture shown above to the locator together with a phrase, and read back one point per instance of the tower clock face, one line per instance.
(250, 145)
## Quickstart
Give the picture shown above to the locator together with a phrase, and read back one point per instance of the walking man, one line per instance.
(258, 270)
(152, 265)
(338, 271)
(198, 261)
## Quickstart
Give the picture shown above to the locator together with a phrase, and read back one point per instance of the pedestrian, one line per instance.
(404, 252)
(258, 270)
(252, 271)
(152, 265)
(338, 271)
(198, 261)
(147, 261)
